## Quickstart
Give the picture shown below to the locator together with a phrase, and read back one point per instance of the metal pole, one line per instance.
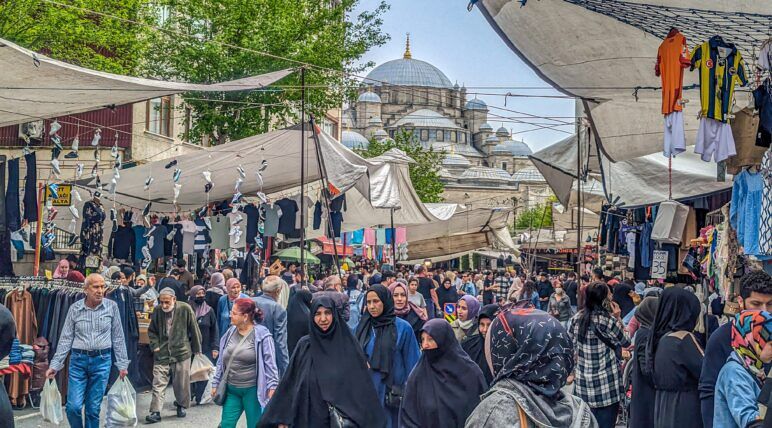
(39, 229)
(393, 241)
(303, 171)
(579, 199)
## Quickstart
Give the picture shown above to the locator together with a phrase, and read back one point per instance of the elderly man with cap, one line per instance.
(174, 338)
(92, 334)
(275, 318)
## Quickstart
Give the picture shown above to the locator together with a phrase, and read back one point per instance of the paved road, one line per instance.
(204, 416)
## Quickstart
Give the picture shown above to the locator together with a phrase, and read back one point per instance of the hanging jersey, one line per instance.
(672, 58)
(721, 67)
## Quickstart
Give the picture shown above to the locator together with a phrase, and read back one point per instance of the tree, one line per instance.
(206, 41)
(424, 173)
(79, 36)
(538, 217)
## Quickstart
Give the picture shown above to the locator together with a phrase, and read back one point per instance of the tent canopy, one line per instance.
(40, 87)
(603, 51)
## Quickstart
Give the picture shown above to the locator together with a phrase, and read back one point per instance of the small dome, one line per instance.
(354, 140)
(454, 160)
(375, 120)
(368, 97)
(502, 132)
(492, 139)
(514, 148)
(476, 104)
(486, 174)
(528, 174)
(380, 134)
(486, 127)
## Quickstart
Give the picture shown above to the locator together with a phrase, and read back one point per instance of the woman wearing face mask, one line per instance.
(328, 372)
(406, 309)
(207, 325)
(247, 352)
(560, 304)
(467, 310)
(445, 385)
(474, 344)
(390, 346)
(740, 380)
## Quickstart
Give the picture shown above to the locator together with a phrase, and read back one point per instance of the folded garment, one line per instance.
(5, 362)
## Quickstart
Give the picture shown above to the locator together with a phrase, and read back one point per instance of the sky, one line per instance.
(467, 49)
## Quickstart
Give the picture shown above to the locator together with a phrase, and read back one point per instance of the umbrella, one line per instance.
(348, 261)
(292, 254)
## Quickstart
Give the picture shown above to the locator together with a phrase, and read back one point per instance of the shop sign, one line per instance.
(659, 264)
(64, 192)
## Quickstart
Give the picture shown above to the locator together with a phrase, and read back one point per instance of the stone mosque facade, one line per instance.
(482, 167)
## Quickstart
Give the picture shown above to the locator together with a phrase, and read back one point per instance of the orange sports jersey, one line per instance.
(672, 58)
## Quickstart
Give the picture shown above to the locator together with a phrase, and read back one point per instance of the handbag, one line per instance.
(393, 398)
(219, 394)
(338, 419)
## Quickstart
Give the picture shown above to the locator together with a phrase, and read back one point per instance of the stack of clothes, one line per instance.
(19, 360)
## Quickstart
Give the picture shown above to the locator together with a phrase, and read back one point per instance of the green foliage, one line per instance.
(538, 217)
(424, 173)
(78, 36)
(208, 41)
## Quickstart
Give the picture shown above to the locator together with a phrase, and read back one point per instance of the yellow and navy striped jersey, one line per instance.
(718, 76)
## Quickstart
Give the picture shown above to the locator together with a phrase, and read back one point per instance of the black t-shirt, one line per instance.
(545, 289)
(571, 290)
(425, 287)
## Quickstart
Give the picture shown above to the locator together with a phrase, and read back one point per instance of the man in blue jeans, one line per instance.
(92, 333)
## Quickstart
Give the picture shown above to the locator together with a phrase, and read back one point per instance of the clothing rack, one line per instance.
(25, 282)
(715, 217)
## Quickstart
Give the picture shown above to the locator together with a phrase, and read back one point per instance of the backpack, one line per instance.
(355, 300)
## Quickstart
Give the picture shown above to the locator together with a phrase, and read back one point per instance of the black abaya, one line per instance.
(7, 334)
(326, 367)
(474, 344)
(298, 315)
(622, 297)
(445, 386)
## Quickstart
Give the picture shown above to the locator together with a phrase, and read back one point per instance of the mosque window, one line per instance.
(463, 137)
(424, 135)
(504, 166)
(440, 135)
(453, 136)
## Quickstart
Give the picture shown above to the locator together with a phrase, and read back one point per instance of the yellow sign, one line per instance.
(65, 195)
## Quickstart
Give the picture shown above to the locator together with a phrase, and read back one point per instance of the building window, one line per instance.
(440, 135)
(391, 133)
(504, 166)
(159, 115)
(463, 137)
(424, 135)
(453, 136)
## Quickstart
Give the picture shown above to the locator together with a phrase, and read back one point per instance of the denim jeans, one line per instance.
(86, 387)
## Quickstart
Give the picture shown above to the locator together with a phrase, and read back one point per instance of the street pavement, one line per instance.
(204, 416)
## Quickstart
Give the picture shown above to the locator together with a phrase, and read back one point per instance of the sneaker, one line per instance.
(146, 211)
(74, 211)
(94, 170)
(55, 127)
(207, 176)
(114, 152)
(148, 182)
(55, 167)
(77, 195)
(149, 232)
(97, 137)
(53, 189)
(112, 214)
(176, 175)
(236, 198)
(73, 240)
(207, 187)
(150, 242)
(57, 142)
(78, 170)
(75, 144)
(71, 155)
(263, 165)
(171, 164)
(242, 173)
(153, 417)
(181, 412)
(96, 155)
(237, 187)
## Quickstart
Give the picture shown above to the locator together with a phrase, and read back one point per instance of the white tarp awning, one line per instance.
(601, 59)
(36, 87)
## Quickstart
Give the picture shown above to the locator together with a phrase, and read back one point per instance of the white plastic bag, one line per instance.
(121, 405)
(51, 403)
(206, 398)
(200, 368)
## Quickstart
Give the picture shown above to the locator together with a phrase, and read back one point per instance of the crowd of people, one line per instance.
(432, 348)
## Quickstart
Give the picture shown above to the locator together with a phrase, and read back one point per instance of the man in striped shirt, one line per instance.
(92, 333)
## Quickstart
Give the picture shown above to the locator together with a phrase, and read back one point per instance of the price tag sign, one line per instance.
(659, 264)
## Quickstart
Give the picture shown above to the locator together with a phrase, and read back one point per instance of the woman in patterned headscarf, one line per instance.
(531, 356)
(740, 380)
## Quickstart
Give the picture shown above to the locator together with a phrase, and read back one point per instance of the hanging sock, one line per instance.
(97, 137)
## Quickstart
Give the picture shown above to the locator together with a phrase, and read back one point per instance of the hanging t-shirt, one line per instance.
(202, 240)
(672, 58)
(762, 100)
(238, 230)
(765, 234)
(721, 67)
(272, 215)
(139, 241)
(189, 231)
(745, 209)
(159, 237)
(221, 226)
(289, 210)
(253, 217)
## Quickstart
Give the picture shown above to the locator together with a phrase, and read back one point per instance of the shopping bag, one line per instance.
(51, 403)
(121, 405)
(200, 368)
(206, 398)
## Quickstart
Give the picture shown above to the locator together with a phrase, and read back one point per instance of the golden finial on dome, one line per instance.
(407, 54)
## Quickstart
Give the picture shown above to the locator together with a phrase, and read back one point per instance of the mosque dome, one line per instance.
(380, 134)
(354, 140)
(486, 127)
(513, 148)
(528, 175)
(502, 132)
(407, 71)
(453, 160)
(487, 174)
(369, 97)
(476, 104)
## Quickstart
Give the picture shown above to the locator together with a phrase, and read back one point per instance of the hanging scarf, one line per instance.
(751, 330)
(202, 309)
(530, 347)
(473, 306)
(410, 306)
(385, 331)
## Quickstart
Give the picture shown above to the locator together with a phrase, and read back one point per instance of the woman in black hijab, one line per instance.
(675, 360)
(445, 385)
(623, 297)
(447, 293)
(7, 334)
(642, 403)
(298, 314)
(474, 345)
(390, 346)
(328, 368)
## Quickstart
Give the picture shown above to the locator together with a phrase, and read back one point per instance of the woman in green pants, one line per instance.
(247, 365)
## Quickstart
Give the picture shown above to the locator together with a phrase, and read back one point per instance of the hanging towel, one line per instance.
(401, 235)
(380, 237)
(369, 237)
